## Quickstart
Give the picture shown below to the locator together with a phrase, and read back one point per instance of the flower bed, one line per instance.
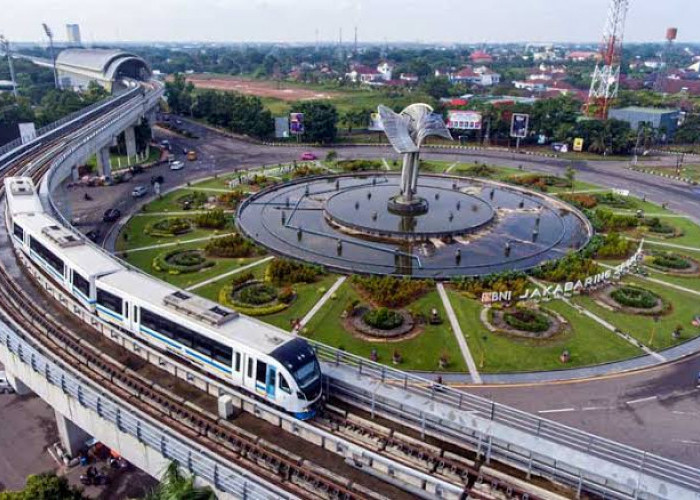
(527, 320)
(634, 297)
(673, 263)
(255, 298)
(383, 318)
(172, 226)
(232, 247)
(181, 261)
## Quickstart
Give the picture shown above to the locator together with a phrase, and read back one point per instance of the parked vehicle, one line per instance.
(177, 165)
(308, 156)
(139, 191)
(5, 387)
(157, 178)
(111, 215)
(93, 235)
(192, 155)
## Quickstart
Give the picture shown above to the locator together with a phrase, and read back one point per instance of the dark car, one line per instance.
(157, 178)
(111, 215)
(93, 235)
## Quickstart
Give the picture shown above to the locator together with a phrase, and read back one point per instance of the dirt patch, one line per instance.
(260, 88)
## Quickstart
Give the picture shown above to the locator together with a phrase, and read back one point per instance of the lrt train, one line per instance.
(261, 360)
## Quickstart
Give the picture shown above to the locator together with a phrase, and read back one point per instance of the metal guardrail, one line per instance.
(128, 420)
(644, 464)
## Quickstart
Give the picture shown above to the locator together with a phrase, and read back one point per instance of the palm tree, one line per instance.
(175, 486)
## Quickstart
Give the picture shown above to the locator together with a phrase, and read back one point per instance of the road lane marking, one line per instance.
(558, 410)
(641, 400)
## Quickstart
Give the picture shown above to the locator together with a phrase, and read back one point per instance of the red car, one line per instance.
(308, 156)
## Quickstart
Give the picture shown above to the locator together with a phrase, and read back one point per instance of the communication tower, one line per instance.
(671, 35)
(606, 77)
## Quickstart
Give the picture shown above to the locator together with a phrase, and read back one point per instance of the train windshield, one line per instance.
(298, 357)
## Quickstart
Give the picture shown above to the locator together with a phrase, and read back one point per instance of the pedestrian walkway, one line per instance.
(317, 307)
(461, 339)
(174, 243)
(214, 190)
(230, 273)
(449, 169)
(664, 244)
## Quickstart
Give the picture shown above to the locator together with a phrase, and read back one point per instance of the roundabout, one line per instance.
(471, 227)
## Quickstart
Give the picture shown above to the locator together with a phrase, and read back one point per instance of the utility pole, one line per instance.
(5, 44)
(49, 34)
(355, 51)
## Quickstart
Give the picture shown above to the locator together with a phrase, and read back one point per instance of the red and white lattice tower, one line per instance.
(606, 77)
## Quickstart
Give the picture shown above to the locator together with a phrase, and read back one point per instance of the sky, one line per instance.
(465, 21)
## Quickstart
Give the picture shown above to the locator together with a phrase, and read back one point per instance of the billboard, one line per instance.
(296, 123)
(464, 120)
(27, 131)
(375, 123)
(281, 127)
(578, 144)
(518, 125)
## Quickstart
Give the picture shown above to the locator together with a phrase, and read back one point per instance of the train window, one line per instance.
(250, 367)
(261, 371)
(238, 361)
(19, 232)
(109, 300)
(81, 284)
(284, 386)
(215, 350)
(49, 257)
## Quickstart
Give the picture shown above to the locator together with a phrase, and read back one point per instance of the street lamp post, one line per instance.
(49, 34)
(5, 44)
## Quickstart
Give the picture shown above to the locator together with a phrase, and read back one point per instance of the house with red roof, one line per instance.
(480, 57)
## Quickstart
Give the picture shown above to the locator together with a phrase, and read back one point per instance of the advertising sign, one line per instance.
(296, 123)
(464, 120)
(518, 125)
(27, 132)
(578, 144)
(375, 123)
(281, 127)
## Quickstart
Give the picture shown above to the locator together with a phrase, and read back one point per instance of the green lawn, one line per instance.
(138, 238)
(308, 294)
(588, 343)
(684, 307)
(690, 237)
(144, 261)
(420, 353)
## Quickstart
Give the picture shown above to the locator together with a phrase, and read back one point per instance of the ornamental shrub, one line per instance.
(635, 297)
(181, 261)
(256, 294)
(670, 260)
(231, 246)
(172, 226)
(212, 219)
(287, 272)
(383, 318)
(389, 291)
(527, 320)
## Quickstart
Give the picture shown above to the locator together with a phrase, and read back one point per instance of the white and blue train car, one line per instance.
(261, 359)
(63, 255)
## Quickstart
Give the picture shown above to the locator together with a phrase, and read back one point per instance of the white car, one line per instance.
(5, 387)
(139, 191)
(177, 165)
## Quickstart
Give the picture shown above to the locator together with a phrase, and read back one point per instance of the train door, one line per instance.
(128, 316)
(271, 381)
(260, 377)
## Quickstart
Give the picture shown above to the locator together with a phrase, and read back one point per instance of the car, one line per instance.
(136, 169)
(157, 178)
(93, 235)
(139, 191)
(5, 387)
(177, 165)
(179, 122)
(111, 215)
(165, 142)
(308, 156)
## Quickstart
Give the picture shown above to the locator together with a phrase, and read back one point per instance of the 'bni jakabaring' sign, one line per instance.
(559, 290)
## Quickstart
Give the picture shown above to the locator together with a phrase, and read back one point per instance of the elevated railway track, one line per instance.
(374, 459)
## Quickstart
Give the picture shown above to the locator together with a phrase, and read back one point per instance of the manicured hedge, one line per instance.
(527, 320)
(670, 261)
(383, 318)
(172, 226)
(181, 261)
(635, 297)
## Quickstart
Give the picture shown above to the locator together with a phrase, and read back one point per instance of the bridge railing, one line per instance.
(223, 476)
(643, 463)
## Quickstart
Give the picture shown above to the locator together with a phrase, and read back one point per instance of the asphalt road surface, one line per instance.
(657, 410)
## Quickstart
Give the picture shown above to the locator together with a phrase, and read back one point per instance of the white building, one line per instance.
(73, 35)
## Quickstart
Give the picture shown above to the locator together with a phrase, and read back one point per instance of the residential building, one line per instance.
(480, 57)
(481, 76)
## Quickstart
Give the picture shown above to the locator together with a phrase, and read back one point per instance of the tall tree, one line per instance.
(175, 486)
(46, 486)
(320, 121)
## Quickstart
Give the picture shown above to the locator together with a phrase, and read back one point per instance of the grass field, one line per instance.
(690, 236)
(420, 353)
(135, 229)
(588, 343)
(655, 335)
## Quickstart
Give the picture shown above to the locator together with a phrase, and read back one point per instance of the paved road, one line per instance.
(656, 410)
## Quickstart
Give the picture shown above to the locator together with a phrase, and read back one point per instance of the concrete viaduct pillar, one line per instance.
(72, 437)
(130, 139)
(104, 167)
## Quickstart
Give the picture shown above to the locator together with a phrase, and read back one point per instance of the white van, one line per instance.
(5, 387)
